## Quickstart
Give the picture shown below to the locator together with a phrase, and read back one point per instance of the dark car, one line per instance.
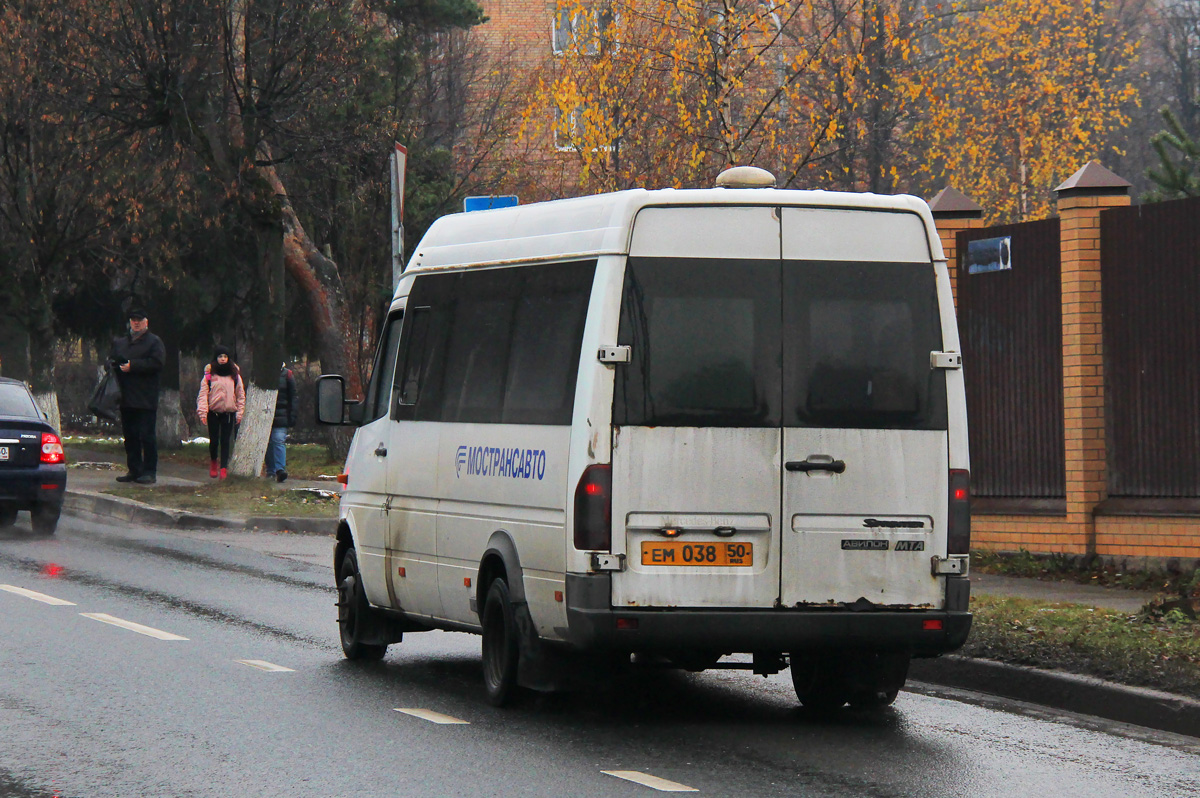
(33, 468)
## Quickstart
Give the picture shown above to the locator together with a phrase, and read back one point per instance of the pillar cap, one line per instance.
(950, 203)
(1093, 180)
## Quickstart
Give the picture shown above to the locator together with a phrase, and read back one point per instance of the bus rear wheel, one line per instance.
(819, 680)
(500, 650)
(879, 677)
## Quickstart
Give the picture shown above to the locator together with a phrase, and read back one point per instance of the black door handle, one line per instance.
(836, 466)
(381, 451)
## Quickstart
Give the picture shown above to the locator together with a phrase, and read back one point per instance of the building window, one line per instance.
(583, 28)
(568, 128)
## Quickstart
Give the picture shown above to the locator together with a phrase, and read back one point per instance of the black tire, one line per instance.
(8, 516)
(500, 646)
(818, 680)
(881, 675)
(353, 610)
(45, 519)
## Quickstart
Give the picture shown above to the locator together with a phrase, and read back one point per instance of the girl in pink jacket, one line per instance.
(220, 404)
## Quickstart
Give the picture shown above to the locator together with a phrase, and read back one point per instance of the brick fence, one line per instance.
(1085, 526)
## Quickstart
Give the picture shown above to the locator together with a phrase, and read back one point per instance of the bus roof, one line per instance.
(601, 224)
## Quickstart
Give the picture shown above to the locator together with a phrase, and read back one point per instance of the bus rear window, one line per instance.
(857, 343)
(760, 343)
(704, 338)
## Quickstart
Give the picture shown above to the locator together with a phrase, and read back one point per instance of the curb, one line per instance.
(1086, 695)
(102, 506)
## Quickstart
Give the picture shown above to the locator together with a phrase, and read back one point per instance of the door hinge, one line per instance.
(608, 562)
(614, 354)
(945, 360)
(951, 566)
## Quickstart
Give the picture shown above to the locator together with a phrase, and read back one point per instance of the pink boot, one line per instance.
(223, 473)
(212, 469)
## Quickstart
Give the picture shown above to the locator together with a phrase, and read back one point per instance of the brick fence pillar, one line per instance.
(1080, 200)
(954, 211)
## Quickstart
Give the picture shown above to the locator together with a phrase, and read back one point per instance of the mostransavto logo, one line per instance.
(494, 461)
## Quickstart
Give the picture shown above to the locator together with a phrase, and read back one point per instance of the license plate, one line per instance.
(3, 452)
(679, 552)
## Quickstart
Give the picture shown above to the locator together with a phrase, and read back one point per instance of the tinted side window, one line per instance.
(477, 354)
(408, 376)
(495, 345)
(423, 348)
(547, 332)
(857, 343)
(705, 343)
(379, 391)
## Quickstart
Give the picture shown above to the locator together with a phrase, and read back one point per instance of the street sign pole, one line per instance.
(399, 162)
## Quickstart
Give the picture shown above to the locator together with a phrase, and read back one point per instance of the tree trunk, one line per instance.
(321, 282)
(41, 355)
(172, 429)
(262, 385)
(14, 349)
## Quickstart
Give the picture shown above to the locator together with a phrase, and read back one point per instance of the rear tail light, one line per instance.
(959, 517)
(593, 509)
(52, 450)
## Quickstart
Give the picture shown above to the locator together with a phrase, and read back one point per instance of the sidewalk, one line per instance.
(90, 473)
(1129, 601)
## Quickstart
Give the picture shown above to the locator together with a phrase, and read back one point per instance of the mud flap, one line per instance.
(384, 628)
(539, 667)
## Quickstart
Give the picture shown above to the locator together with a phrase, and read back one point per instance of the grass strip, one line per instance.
(304, 460)
(1139, 650)
(233, 496)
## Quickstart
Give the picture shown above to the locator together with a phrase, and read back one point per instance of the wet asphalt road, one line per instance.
(90, 709)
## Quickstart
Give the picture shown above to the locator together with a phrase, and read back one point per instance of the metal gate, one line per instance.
(1150, 266)
(1010, 320)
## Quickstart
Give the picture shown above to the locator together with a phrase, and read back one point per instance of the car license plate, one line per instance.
(679, 552)
(3, 452)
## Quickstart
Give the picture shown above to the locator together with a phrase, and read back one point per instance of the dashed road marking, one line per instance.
(149, 631)
(431, 716)
(646, 780)
(263, 665)
(36, 596)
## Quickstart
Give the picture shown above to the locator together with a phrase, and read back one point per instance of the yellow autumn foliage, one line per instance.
(669, 92)
(1023, 93)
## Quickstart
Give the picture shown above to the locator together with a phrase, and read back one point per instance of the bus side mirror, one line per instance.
(331, 399)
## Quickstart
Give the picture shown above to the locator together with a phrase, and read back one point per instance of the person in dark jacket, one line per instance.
(285, 416)
(138, 358)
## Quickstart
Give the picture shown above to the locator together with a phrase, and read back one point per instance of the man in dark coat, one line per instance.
(138, 359)
(285, 416)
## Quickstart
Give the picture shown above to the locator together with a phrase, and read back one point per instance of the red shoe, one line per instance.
(212, 469)
(223, 473)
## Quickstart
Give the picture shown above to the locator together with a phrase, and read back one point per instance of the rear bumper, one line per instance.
(27, 487)
(592, 622)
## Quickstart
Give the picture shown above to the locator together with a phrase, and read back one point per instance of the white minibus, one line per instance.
(666, 426)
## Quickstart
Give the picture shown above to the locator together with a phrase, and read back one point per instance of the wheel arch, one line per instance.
(499, 558)
(344, 539)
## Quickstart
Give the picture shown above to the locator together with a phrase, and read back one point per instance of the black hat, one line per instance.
(221, 349)
(137, 313)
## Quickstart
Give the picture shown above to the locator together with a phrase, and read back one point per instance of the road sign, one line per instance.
(489, 203)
